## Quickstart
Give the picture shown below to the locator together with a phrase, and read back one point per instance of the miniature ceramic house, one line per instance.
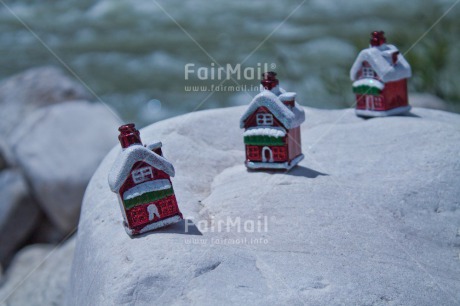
(272, 127)
(140, 177)
(379, 77)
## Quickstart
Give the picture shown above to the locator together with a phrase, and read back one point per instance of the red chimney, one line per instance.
(129, 135)
(394, 57)
(377, 38)
(269, 80)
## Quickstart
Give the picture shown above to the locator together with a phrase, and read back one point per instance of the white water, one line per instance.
(132, 54)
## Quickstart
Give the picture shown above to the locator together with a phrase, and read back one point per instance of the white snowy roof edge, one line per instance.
(128, 157)
(287, 96)
(143, 188)
(380, 59)
(289, 117)
(154, 145)
(369, 82)
(265, 131)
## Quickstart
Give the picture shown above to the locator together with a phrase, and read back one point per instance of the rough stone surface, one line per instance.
(38, 275)
(370, 217)
(19, 213)
(34, 88)
(58, 147)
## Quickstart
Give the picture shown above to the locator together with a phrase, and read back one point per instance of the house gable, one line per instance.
(251, 121)
(126, 161)
(146, 171)
(367, 71)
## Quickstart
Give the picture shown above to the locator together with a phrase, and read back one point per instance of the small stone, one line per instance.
(58, 148)
(23, 93)
(38, 275)
(46, 232)
(18, 213)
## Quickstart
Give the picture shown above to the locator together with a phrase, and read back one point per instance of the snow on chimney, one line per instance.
(269, 80)
(288, 99)
(129, 135)
(377, 38)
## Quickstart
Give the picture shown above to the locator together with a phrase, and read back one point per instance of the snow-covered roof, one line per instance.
(289, 117)
(149, 186)
(128, 157)
(380, 59)
(265, 131)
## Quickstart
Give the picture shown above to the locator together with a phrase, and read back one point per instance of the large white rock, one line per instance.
(19, 213)
(371, 216)
(38, 275)
(34, 88)
(58, 147)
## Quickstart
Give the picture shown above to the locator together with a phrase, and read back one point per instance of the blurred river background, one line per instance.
(133, 54)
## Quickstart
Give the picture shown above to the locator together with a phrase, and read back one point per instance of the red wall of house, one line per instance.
(360, 102)
(253, 153)
(294, 144)
(280, 153)
(129, 183)
(379, 102)
(138, 216)
(251, 121)
(395, 94)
